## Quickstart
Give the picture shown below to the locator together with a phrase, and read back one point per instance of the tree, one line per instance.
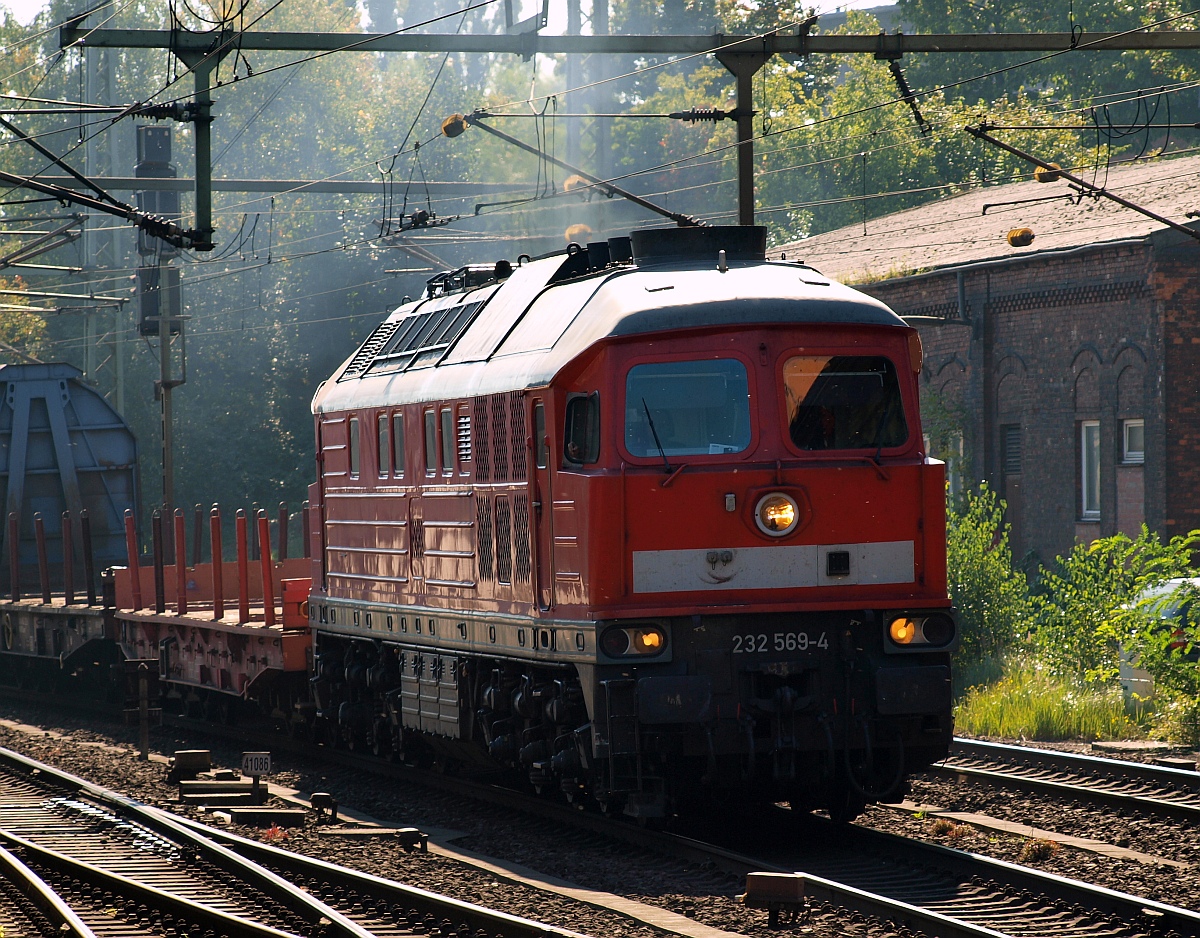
(1072, 80)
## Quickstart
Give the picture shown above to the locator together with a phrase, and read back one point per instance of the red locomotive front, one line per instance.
(647, 528)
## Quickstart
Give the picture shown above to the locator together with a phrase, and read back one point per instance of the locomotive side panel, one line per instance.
(365, 537)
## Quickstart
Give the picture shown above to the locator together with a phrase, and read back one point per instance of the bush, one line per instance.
(991, 597)
(1082, 601)
(1177, 719)
(1160, 632)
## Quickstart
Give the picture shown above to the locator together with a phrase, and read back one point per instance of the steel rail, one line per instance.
(1110, 772)
(1098, 764)
(160, 900)
(269, 883)
(42, 895)
(901, 913)
(422, 900)
(1129, 908)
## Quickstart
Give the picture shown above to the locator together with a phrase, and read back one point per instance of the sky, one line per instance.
(24, 10)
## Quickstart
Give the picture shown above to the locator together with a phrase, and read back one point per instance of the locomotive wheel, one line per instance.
(845, 806)
(380, 742)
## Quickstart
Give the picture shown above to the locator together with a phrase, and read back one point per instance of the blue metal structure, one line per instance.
(63, 448)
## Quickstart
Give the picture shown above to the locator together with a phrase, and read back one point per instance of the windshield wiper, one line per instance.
(654, 433)
(880, 430)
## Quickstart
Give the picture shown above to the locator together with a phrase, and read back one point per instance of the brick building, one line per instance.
(1065, 373)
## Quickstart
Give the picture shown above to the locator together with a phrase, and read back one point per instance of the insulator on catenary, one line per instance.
(696, 114)
(1050, 173)
(1020, 237)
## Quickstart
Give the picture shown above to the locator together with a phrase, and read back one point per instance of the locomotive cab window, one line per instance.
(352, 447)
(689, 408)
(843, 402)
(581, 432)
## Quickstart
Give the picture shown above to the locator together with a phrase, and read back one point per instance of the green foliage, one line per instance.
(1035, 704)
(1160, 633)
(22, 330)
(1177, 719)
(1079, 599)
(990, 595)
(1071, 79)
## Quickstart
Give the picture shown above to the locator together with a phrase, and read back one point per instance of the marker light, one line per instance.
(903, 630)
(629, 641)
(932, 631)
(776, 514)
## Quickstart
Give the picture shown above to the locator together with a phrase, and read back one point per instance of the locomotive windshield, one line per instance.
(693, 408)
(843, 402)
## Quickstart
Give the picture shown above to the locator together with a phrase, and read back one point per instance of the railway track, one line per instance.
(970, 894)
(1135, 786)
(926, 887)
(95, 862)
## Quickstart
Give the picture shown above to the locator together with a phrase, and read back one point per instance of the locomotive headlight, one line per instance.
(776, 514)
(647, 641)
(903, 630)
(932, 631)
(631, 641)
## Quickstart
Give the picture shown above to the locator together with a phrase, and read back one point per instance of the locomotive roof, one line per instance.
(521, 332)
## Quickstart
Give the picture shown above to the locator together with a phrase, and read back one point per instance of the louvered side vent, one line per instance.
(521, 537)
(503, 540)
(483, 531)
(516, 436)
(499, 439)
(366, 354)
(464, 437)
(417, 540)
(483, 465)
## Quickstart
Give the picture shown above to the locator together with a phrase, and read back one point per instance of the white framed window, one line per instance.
(1133, 434)
(1089, 469)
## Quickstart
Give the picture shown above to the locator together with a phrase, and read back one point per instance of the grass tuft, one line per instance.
(939, 827)
(944, 827)
(1032, 704)
(1037, 850)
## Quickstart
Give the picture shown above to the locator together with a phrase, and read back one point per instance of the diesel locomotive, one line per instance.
(649, 521)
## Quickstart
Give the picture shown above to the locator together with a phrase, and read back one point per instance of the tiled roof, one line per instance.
(955, 230)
